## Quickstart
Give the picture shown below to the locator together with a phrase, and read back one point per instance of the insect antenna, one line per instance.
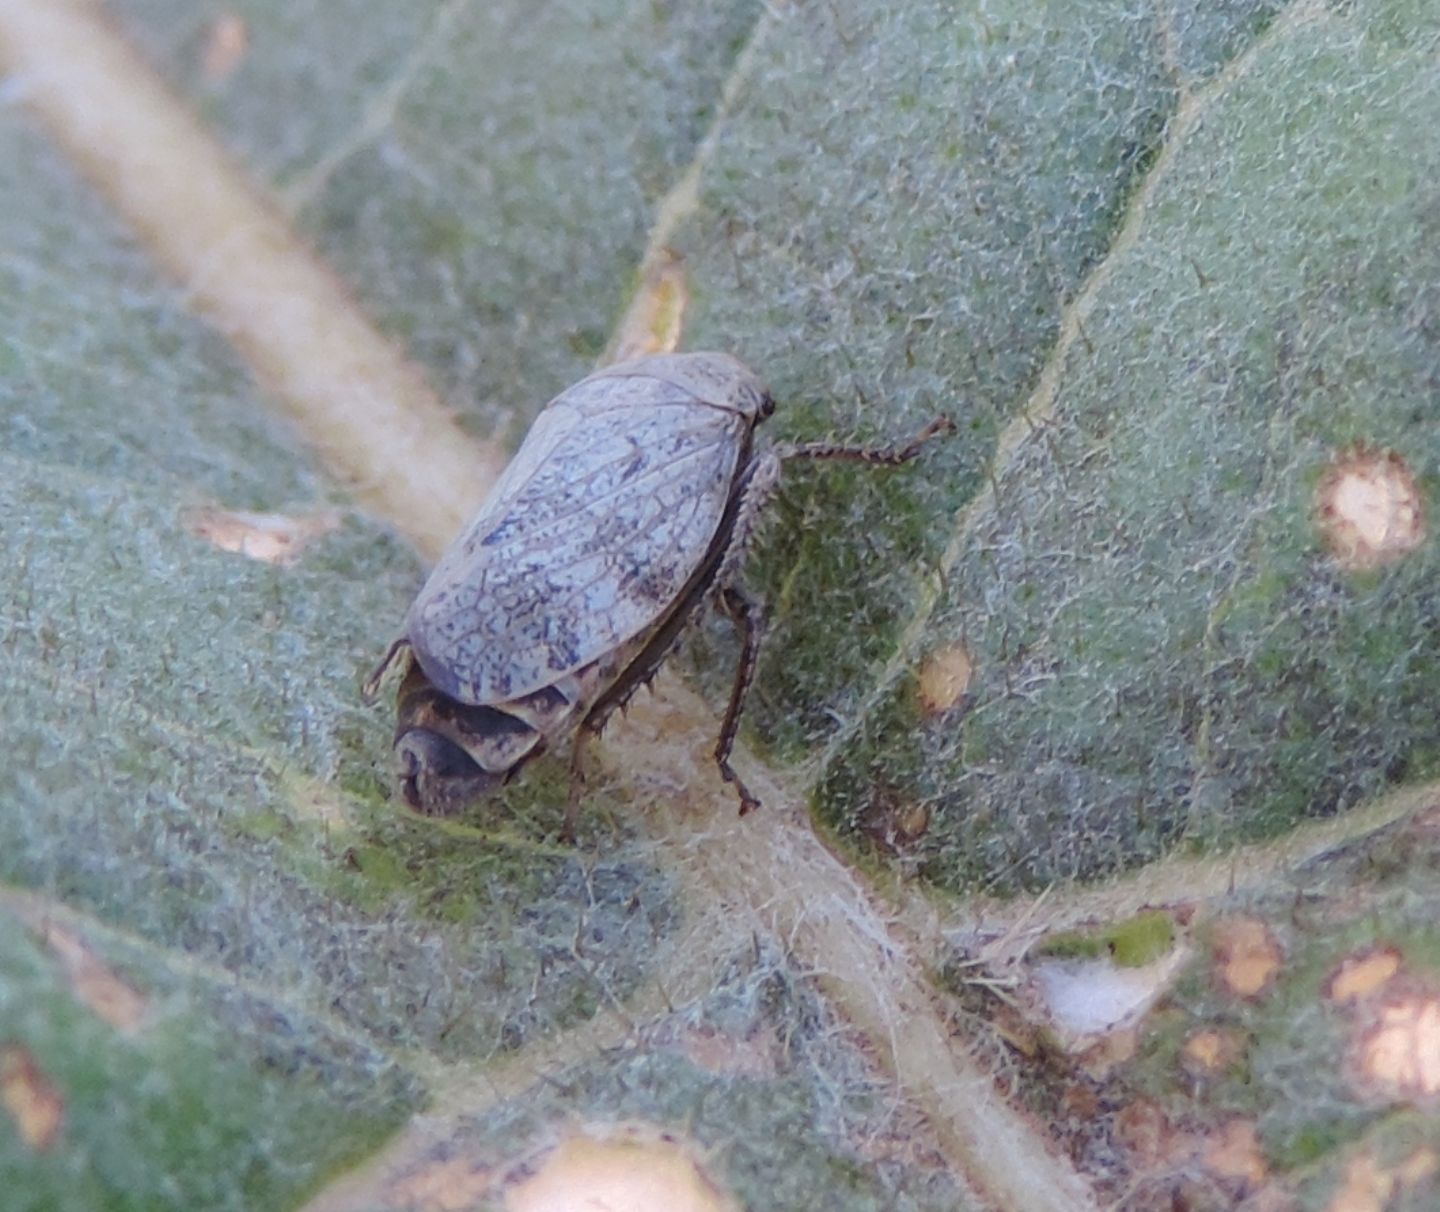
(887, 456)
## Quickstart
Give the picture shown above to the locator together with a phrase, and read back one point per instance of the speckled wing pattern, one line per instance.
(593, 531)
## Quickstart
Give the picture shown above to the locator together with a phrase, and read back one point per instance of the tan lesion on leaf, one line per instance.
(272, 538)
(1211, 1051)
(1247, 955)
(227, 43)
(1364, 973)
(1229, 1155)
(1233, 1152)
(944, 678)
(635, 1166)
(1369, 508)
(32, 1099)
(1145, 1131)
(1395, 1053)
(94, 983)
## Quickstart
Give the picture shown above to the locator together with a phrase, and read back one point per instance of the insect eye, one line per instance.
(767, 406)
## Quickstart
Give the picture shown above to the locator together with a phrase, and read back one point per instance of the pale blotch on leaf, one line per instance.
(316, 800)
(1369, 508)
(637, 1168)
(1397, 1053)
(944, 677)
(227, 42)
(1361, 974)
(1090, 997)
(94, 983)
(1247, 955)
(1233, 1152)
(31, 1098)
(272, 538)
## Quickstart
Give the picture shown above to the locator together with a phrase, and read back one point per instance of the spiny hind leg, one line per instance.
(579, 751)
(760, 481)
(748, 614)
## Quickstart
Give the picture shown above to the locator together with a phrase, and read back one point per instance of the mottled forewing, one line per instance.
(590, 536)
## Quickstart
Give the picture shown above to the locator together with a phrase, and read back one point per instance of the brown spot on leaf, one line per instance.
(227, 42)
(1369, 508)
(1397, 1055)
(31, 1098)
(944, 677)
(1144, 1129)
(892, 822)
(273, 538)
(1247, 955)
(1362, 974)
(1111, 1050)
(912, 823)
(1233, 1152)
(93, 982)
(1080, 1101)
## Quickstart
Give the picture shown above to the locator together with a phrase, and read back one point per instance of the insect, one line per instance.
(628, 508)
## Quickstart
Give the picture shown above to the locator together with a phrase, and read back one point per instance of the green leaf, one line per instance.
(1170, 270)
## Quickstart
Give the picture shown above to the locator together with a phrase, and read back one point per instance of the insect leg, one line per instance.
(757, 487)
(748, 614)
(889, 456)
(578, 751)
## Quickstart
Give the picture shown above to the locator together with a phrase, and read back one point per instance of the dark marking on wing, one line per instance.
(586, 548)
